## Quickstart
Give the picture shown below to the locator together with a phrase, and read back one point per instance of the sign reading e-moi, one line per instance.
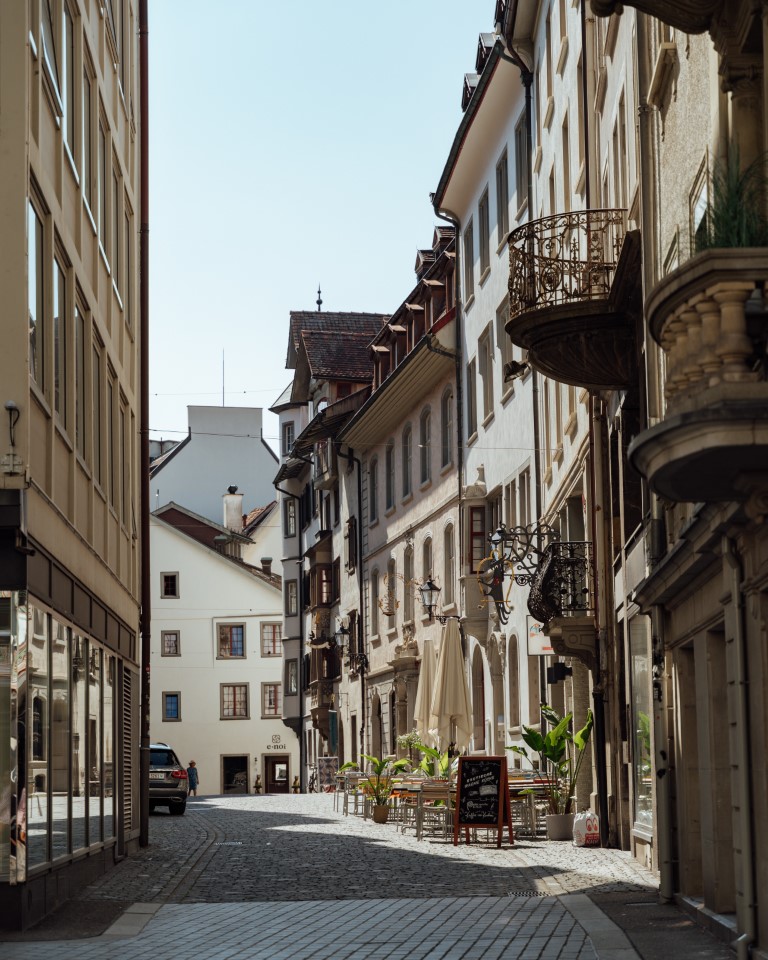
(539, 644)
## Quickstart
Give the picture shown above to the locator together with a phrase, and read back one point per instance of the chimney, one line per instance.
(233, 509)
(266, 565)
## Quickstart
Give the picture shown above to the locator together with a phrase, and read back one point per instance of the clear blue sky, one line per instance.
(290, 143)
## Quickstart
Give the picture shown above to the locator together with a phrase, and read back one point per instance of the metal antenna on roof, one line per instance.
(319, 300)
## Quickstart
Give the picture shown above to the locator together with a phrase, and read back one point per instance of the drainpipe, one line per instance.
(741, 690)
(361, 619)
(661, 733)
(144, 505)
(300, 732)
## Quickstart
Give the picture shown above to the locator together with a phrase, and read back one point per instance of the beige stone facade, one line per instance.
(69, 476)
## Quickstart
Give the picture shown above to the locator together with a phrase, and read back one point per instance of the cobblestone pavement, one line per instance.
(252, 877)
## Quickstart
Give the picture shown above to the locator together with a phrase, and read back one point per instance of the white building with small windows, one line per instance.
(217, 654)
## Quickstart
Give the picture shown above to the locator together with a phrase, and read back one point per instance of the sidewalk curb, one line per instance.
(132, 922)
(609, 940)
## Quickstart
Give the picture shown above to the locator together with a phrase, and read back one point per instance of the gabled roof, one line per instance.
(205, 532)
(283, 402)
(159, 462)
(257, 516)
(338, 358)
(323, 321)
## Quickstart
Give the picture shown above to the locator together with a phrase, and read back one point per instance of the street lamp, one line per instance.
(430, 594)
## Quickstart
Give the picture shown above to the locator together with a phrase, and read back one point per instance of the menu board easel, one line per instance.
(482, 797)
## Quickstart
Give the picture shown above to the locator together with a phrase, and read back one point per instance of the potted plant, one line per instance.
(560, 754)
(380, 783)
(434, 763)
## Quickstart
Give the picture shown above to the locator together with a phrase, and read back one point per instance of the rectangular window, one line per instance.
(124, 466)
(478, 547)
(373, 490)
(128, 284)
(485, 360)
(79, 381)
(68, 77)
(521, 162)
(525, 498)
(289, 518)
(116, 231)
(169, 585)
(271, 700)
(502, 196)
(234, 701)
(60, 341)
(471, 398)
(35, 295)
(484, 226)
(110, 438)
(288, 437)
(271, 640)
(87, 158)
(102, 174)
(170, 643)
(502, 340)
(231, 641)
(566, 146)
(171, 706)
(469, 261)
(350, 544)
(291, 598)
(291, 678)
(97, 417)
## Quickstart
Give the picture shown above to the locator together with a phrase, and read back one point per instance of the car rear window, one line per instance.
(162, 758)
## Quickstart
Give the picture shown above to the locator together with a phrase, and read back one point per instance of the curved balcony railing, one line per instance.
(563, 583)
(567, 258)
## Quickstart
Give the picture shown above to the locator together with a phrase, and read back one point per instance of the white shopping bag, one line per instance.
(586, 829)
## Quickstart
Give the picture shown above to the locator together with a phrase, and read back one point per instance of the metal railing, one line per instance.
(563, 585)
(567, 258)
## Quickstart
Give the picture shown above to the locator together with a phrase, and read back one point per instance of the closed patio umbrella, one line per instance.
(423, 720)
(451, 705)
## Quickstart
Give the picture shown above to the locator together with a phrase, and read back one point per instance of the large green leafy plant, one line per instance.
(380, 777)
(560, 753)
(434, 763)
(736, 216)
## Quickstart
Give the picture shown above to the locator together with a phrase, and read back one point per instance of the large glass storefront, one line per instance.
(57, 712)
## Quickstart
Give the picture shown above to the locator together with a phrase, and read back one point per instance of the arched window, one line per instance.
(408, 594)
(514, 681)
(446, 427)
(407, 459)
(478, 701)
(374, 602)
(389, 468)
(391, 593)
(373, 490)
(449, 594)
(426, 559)
(425, 445)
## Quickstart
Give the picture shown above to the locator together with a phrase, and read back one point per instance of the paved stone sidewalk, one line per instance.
(251, 877)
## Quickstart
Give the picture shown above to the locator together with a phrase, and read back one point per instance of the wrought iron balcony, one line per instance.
(574, 286)
(563, 583)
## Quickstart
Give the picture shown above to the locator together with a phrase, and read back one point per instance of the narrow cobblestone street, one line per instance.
(253, 877)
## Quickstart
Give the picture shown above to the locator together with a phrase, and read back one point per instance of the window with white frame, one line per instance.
(426, 559)
(36, 273)
(471, 398)
(521, 162)
(289, 517)
(271, 700)
(68, 80)
(170, 643)
(60, 341)
(291, 598)
(231, 641)
(449, 561)
(425, 446)
(373, 490)
(408, 585)
(374, 590)
(407, 460)
(484, 231)
(502, 195)
(469, 261)
(389, 470)
(485, 360)
(271, 640)
(234, 701)
(446, 427)
(503, 342)
(288, 437)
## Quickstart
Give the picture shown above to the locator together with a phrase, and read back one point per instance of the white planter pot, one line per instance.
(560, 826)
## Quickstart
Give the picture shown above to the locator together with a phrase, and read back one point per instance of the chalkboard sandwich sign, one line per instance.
(482, 797)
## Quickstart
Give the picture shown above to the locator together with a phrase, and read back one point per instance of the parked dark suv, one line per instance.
(168, 784)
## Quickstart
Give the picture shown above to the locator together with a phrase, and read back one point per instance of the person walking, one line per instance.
(194, 778)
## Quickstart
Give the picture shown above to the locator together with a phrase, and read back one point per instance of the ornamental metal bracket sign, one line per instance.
(514, 558)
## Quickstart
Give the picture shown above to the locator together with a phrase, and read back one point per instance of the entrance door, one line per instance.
(276, 773)
(234, 774)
